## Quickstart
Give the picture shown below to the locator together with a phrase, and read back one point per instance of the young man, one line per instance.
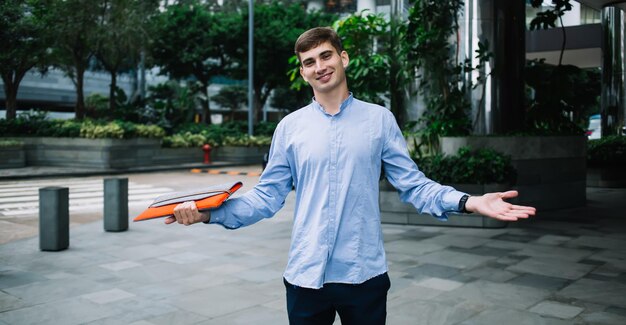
(332, 151)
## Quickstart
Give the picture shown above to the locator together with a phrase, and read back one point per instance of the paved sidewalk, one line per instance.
(562, 267)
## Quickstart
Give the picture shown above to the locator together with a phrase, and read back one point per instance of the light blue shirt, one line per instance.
(334, 162)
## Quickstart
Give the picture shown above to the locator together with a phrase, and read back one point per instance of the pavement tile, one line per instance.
(551, 252)
(556, 309)
(552, 267)
(427, 313)
(500, 294)
(482, 251)
(598, 242)
(107, 296)
(553, 240)
(616, 310)
(51, 290)
(604, 318)
(432, 270)
(508, 316)
(456, 240)
(184, 258)
(9, 302)
(518, 238)
(454, 259)
(540, 281)
(601, 292)
(66, 312)
(253, 315)
(176, 317)
(490, 274)
(440, 284)
(14, 278)
(219, 301)
(118, 266)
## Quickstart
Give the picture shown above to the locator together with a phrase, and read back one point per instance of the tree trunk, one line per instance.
(80, 100)
(11, 85)
(112, 101)
(206, 104)
(11, 99)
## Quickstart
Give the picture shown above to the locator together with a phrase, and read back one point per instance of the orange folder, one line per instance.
(206, 198)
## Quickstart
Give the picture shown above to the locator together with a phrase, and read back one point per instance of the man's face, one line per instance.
(323, 68)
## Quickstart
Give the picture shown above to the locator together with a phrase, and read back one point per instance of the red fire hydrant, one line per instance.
(207, 153)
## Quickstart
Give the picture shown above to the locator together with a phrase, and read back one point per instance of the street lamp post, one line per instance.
(250, 65)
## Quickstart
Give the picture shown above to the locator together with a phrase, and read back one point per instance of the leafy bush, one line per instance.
(9, 143)
(187, 140)
(247, 141)
(480, 166)
(607, 151)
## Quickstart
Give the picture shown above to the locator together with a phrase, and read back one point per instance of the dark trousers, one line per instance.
(361, 304)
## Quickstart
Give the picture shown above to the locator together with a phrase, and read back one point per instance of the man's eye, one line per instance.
(326, 56)
(308, 63)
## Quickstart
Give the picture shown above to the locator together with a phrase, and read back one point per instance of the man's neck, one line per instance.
(331, 101)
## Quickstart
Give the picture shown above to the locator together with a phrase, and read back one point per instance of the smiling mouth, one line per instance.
(325, 77)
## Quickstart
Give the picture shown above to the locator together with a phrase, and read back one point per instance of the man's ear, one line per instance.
(345, 59)
(302, 75)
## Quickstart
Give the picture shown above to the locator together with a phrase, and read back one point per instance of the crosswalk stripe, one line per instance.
(18, 199)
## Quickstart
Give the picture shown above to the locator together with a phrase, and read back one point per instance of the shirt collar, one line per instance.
(343, 105)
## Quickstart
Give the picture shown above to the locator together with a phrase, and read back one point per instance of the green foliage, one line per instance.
(607, 151)
(277, 25)
(231, 97)
(563, 96)
(25, 41)
(482, 166)
(37, 125)
(171, 104)
(364, 36)
(6, 143)
(431, 25)
(548, 17)
(187, 140)
(247, 141)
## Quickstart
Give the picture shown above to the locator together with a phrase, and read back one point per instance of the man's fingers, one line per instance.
(170, 220)
(508, 194)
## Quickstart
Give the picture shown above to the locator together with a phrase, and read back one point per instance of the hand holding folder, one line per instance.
(205, 199)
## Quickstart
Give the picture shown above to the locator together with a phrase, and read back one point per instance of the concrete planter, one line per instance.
(251, 155)
(172, 156)
(609, 176)
(551, 170)
(397, 212)
(91, 153)
(12, 156)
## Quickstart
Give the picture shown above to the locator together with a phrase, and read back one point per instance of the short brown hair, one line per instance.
(316, 36)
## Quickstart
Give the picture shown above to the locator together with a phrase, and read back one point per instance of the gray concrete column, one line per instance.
(115, 204)
(366, 4)
(613, 95)
(497, 106)
(54, 218)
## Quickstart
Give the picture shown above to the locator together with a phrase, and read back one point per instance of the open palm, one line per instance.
(494, 205)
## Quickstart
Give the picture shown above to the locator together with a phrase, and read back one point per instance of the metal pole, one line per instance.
(116, 204)
(54, 218)
(250, 65)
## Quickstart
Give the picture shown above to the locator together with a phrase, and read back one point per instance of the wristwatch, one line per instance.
(462, 202)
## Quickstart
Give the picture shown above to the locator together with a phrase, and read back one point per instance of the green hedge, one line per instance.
(482, 166)
(607, 151)
(28, 126)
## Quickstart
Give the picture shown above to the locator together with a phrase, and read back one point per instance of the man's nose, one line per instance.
(320, 66)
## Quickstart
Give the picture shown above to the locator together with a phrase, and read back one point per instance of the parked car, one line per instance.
(594, 130)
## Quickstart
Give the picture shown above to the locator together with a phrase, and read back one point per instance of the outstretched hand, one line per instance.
(493, 205)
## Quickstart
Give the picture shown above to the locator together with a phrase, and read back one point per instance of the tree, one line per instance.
(74, 24)
(25, 42)
(277, 25)
(192, 41)
(122, 31)
(231, 97)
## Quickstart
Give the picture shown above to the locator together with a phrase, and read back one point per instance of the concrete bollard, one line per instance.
(54, 218)
(116, 204)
